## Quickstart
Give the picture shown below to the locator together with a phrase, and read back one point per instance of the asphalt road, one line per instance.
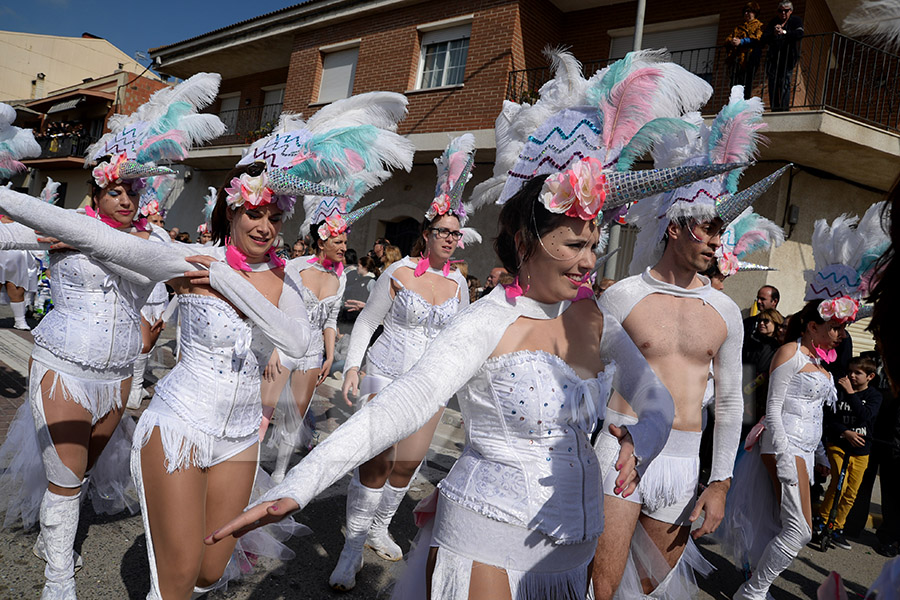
(115, 560)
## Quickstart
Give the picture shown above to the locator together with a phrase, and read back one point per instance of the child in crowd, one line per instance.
(848, 436)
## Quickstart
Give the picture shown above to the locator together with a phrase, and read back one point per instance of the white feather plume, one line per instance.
(381, 109)
(876, 19)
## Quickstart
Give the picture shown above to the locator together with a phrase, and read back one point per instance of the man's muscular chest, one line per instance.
(662, 325)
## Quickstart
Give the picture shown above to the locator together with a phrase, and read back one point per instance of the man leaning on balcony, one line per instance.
(782, 36)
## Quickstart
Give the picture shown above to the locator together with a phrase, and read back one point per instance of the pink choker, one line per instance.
(336, 267)
(237, 260)
(139, 224)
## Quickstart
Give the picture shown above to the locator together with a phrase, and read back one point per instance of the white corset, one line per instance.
(408, 328)
(528, 458)
(215, 384)
(95, 319)
(319, 313)
(802, 411)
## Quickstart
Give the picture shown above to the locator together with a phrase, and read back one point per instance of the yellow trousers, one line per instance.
(855, 471)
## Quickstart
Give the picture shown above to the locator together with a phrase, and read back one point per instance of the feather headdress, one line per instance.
(454, 169)
(350, 144)
(876, 19)
(335, 215)
(50, 193)
(209, 203)
(593, 130)
(744, 236)
(154, 195)
(15, 143)
(163, 129)
(732, 138)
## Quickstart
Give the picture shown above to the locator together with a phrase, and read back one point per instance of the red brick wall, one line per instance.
(136, 93)
(389, 57)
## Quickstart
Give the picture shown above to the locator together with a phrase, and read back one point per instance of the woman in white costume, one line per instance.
(772, 482)
(520, 512)
(414, 299)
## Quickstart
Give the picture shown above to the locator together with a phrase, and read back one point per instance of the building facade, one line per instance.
(457, 63)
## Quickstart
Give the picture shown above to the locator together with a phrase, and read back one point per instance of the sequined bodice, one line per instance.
(318, 310)
(408, 328)
(528, 458)
(802, 412)
(215, 384)
(96, 316)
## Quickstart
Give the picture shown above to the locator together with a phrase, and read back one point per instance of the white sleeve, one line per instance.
(331, 321)
(15, 236)
(400, 409)
(463, 290)
(728, 369)
(778, 384)
(154, 261)
(642, 389)
(377, 307)
(286, 325)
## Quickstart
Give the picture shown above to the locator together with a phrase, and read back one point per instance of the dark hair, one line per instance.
(368, 263)
(752, 6)
(776, 295)
(96, 189)
(381, 242)
(798, 321)
(418, 247)
(713, 270)
(885, 294)
(864, 364)
(219, 226)
(350, 257)
(525, 215)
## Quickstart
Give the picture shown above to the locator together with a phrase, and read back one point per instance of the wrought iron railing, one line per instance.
(246, 125)
(833, 72)
(64, 144)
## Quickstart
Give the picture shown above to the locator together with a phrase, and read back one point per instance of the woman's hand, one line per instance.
(354, 305)
(273, 367)
(55, 244)
(326, 369)
(627, 480)
(351, 384)
(199, 277)
(250, 519)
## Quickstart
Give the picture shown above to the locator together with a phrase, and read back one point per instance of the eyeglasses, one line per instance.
(765, 320)
(784, 10)
(442, 233)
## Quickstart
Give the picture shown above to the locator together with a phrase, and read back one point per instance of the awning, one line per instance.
(65, 105)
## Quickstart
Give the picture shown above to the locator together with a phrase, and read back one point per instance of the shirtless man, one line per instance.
(680, 324)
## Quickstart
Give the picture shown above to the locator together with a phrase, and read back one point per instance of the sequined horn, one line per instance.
(623, 187)
(359, 213)
(131, 169)
(729, 207)
(283, 183)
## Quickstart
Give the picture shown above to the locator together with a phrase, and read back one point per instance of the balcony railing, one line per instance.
(246, 125)
(833, 73)
(64, 145)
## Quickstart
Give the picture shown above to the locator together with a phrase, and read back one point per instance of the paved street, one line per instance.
(114, 547)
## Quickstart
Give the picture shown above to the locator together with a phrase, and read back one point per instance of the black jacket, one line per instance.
(783, 50)
(856, 412)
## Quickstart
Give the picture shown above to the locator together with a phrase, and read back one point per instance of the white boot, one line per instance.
(379, 540)
(285, 451)
(362, 502)
(18, 310)
(59, 522)
(137, 382)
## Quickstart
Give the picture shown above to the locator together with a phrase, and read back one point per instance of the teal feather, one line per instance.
(651, 133)
(172, 118)
(871, 257)
(328, 158)
(598, 92)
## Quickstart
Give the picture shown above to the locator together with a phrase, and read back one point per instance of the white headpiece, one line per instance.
(743, 236)
(15, 143)
(50, 193)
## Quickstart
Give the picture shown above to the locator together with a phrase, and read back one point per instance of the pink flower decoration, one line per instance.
(333, 225)
(728, 264)
(579, 191)
(108, 173)
(841, 309)
(151, 208)
(251, 190)
(440, 206)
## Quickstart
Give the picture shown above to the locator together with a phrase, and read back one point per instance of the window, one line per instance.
(273, 98)
(338, 70)
(229, 105)
(442, 60)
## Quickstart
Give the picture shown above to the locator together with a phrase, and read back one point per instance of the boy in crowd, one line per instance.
(849, 430)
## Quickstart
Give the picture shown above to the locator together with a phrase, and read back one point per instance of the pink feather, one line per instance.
(737, 143)
(749, 239)
(173, 134)
(629, 107)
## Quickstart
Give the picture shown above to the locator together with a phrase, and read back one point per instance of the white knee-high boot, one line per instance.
(285, 451)
(783, 548)
(59, 522)
(137, 382)
(361, 505)
(18, 310)
(379, 540)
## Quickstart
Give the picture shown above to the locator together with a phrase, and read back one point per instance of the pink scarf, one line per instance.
(425, 262)
(237, 260)
(139, 224)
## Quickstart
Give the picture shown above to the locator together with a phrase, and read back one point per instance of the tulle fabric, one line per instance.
(289, 426)
(23, 482)
(646, 562)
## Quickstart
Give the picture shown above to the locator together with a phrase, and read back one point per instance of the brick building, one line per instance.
(457, 62)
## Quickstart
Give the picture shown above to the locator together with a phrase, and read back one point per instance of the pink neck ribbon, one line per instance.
(237, 260)
(139, 224)
(335, 266)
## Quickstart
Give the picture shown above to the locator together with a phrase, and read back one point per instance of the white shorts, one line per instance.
(668, 489)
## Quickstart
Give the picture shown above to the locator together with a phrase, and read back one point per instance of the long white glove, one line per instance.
(370, 317)
(727, 371)
(781, 376)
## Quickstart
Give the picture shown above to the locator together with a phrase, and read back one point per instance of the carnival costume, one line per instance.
(524, 494)
(410, 323)
(668, 491)
(155, 191)
(747, 234)
(91, 339)
(18, 267)
(762, 534)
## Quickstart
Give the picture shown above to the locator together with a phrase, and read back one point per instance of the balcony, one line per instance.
(834, 73)
(246, 125)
